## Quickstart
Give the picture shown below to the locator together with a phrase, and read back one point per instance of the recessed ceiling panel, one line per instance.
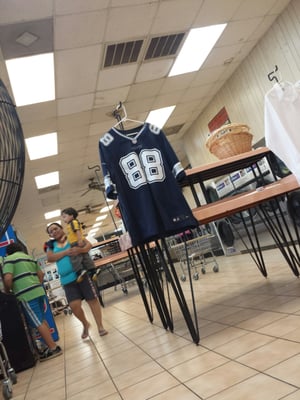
(122, 53)
(12, 47)
(164, 46)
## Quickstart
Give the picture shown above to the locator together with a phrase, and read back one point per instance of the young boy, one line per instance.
(83, 262)
(24, 277)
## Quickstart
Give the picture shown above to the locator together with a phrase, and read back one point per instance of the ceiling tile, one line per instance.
(116, 76)
(74, 120)
(138, 108)
(13, 11)
(37, 112)
(138, 90)
(196, 92)
(216, 12)
(178, 82)
(44, 165)
(102, 114)
(79, 30)
(4, 76)
(50, 201)
(263, 27)
(186, 108)
(154, 70)
(113, 97)
(255, 8)
(279, 6)
(164, 23)
(219, 55)
(130, 22)
(239, 31)
(35, 128)
(75, 104)
(208, 75)
(166, 100)
(42, 29)
(79, 6)
(126, 3)
(76, 71)
(100, 128)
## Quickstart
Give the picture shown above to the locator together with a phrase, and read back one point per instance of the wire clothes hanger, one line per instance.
(117, 114)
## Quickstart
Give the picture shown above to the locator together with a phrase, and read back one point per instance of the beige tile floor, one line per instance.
(249, 347)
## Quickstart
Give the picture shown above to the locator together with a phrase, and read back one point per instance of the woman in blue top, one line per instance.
(59, 251)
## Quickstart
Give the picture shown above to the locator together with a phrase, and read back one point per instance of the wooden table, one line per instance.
(205, 214)
(243, 201)
(113, 258)
(199, 175)
(248, 200)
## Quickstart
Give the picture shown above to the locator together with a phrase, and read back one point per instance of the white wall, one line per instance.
(243, 94)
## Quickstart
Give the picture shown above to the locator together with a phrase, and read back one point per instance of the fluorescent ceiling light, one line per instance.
(101, 217)
(32, 78)
(97, 224)
(105, 209)
(52, 214)
(46, 180)
(160, 116)
(53, 222)
(196, 48)
(93, 231)
(42, 146)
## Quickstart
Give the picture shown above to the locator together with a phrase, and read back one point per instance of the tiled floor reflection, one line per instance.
(249, 347)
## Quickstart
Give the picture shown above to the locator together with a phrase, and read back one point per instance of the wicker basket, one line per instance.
(229, 140)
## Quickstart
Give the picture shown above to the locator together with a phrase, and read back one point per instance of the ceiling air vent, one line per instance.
(163, 46)
(122, 53)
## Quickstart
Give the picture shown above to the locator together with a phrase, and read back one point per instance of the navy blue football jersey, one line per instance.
(141, 169)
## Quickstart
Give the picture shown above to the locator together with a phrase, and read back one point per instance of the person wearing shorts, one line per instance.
(59, 251)
(23, 277)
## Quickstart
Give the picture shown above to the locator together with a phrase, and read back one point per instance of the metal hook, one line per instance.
(96, 167)
(271, 75)
(116, 113)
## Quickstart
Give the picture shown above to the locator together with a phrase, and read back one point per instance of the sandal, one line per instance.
(103, 332)
(85, 332)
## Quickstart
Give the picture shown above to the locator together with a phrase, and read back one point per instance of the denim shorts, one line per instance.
(84, 290)
(34, 311)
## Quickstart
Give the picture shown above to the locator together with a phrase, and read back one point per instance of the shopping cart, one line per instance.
(58, 303)
(8, 374)
(196, 252)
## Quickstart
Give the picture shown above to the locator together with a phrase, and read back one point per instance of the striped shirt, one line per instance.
(26, 284)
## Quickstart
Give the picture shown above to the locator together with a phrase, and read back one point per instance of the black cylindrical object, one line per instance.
(15, 334)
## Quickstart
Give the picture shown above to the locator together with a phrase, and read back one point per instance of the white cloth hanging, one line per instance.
(282, 124)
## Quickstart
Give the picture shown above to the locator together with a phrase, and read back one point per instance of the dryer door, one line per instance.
(226, 233)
